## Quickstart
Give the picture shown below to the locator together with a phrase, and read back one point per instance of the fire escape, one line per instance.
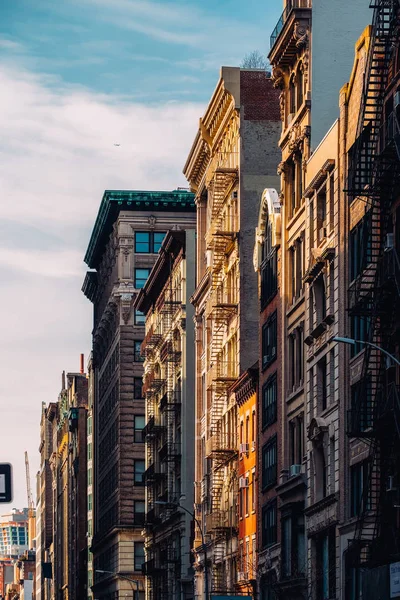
(221, 307)
(374, 416)
(163, 356)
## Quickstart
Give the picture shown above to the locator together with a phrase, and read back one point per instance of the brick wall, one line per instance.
(258, 97)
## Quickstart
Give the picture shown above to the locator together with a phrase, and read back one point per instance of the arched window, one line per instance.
(300, 85)
(267, 245)
(292, 96)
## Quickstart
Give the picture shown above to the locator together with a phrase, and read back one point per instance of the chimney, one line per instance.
(63, 381)
(82, 365)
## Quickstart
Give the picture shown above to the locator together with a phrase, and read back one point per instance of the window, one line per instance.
(362, 404)
(359, 331)
(137, 351)
(321, 215)
(269, 339)
(291, 186)
(141, 276)
(296, 443)
(293, 545)
(300, 86)
(90, 477)
(269, 401)
(138, 512)
(89, 453)
(253, 491)
(138, 470)
(326, 565)
(292, 97)
(247, 429)
(360, 247)
(322, 390)
(269, 530)
(319, 300)
(359, 489)
(140, 318)
(138, 425)
(148, 242)
(296, 252)
(138, 555)
(269, 280)
(137, 388)
(269, 464)
(253, 426)
(89, 425)
(90, 502)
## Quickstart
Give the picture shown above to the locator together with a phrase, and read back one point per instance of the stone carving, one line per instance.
(277, 78)
(281, 170)
(152, 221)
(298, 136)
(282, 105)
(300, 34)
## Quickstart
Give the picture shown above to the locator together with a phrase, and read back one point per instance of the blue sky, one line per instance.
(76, 77)
(143, 50)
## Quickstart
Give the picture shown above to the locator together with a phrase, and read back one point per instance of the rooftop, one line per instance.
(114, 201)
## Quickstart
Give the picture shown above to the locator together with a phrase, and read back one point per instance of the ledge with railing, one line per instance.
(290, 5)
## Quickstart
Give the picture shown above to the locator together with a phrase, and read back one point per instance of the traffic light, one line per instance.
(5, 482)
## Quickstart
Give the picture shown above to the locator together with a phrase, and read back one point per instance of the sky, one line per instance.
(77, 77)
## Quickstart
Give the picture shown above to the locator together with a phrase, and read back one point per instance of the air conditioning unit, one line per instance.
(389, 243)
(397, 99)
(234, 195)
(243, 448)
(294, 470)
(243, 576)
(243, 482)
(253, 446)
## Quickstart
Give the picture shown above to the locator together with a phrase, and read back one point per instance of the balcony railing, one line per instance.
(222, 372)
(220, 443)
(290, 5)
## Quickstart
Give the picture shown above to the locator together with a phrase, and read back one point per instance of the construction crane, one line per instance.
(31, 505)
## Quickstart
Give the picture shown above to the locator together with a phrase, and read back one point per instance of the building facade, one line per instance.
(14, 533)
(246, 394)
(44, 508)
(313, 304)
(123, 247)
(234, 156)
(267, 263)
(169, 431)
(89, 454)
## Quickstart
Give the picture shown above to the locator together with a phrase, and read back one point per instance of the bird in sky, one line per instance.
(117, 144)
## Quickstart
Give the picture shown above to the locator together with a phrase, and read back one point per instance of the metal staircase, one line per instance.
(374, 295)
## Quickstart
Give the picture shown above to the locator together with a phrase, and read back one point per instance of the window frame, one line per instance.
(137, 355)
(136, 482)
(270, 471)
(136, 381)
(269, 530)
(136, 566)
(271, 325)
(272, 382)
(140, 279)
(152, 244)
(138, 429)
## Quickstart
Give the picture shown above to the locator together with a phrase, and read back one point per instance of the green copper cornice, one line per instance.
(116, 200)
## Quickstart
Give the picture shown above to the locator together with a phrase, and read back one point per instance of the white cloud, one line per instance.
(57, 156)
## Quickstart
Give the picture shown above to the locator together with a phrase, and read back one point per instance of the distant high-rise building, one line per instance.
(14, 533)
(126, 238)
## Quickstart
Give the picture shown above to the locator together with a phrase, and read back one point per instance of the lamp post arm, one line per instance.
(204, 548)
(385, 352)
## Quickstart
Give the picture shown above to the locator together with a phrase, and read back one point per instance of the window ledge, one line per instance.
(295, 303)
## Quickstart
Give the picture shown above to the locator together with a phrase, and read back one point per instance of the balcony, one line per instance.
(170, 452)
(220, 444)
(151, 476)
(290, 8)
(170, 401)
(218, 520)
(154, 427)
(222, 374)
(152, 567)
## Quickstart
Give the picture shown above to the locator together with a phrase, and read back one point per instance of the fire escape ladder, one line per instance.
(375, 177)
(376, 74)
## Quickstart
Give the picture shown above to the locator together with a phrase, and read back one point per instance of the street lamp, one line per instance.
(203, 543)
(345, 340)
(136, 581)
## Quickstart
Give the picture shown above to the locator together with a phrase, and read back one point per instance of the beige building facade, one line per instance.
(233, 158)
